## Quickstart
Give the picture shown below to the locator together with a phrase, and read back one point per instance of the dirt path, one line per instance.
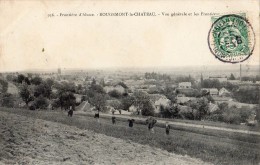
(33, 141)
(187, 124)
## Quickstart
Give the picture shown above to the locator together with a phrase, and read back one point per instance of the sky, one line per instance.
(101, 42)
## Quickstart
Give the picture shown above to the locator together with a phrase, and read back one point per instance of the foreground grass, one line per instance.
(211, 146)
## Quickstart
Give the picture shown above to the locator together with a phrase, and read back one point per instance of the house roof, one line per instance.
(185, 83)
(213, 90)
(162, 101)
(155, 97)
(185, 90)
(185, 99)
(223, 90)
(213, 107)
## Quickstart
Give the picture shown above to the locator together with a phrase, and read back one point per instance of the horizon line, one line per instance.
(127, 67)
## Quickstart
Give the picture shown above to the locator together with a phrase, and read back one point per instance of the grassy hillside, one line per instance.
(212, 146)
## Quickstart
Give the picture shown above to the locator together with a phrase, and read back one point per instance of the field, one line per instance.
(34, 141)
(210, 146)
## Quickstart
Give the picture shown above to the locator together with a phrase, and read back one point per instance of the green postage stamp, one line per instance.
(231, 38)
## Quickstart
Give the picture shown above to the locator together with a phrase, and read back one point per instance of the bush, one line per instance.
(36, 80)
(186, 112)
(115, 94)
(8, 100)
(116, 104)
(258, 114)
(248, 95)
(4, 85)
(127, 102)
(32, 107)
(148, 109)
(215, 117)
(41, 103)
(244, 113)
(142, 101)
(231, 115)
(56, 103)
(169, 112)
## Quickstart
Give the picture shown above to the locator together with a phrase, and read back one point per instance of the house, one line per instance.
(223, 92)
(184, 85)
(219, 78)
(212, 91)
(84, 106)
(182, 99)
(185, 91)
(161, 102)
(118, 88)
(157, 100)
(235, 82)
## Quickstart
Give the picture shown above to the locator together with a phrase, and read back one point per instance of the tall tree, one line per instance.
(98, 101)
(232, 77)
(142, 102)
(36, 80)
(26, 94)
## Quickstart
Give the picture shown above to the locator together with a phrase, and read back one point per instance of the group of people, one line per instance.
(150, 121)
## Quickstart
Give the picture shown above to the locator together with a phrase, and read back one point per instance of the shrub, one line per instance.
(114, 93)
(126, 102)
(41, 103)
(36, 80)
(244, 113)
(56, 103)
(186, 112)
(249, 95)
(148, 109)
(4, 85)
(232, 117)
(258, 114)
(8, 100)
(169, 112)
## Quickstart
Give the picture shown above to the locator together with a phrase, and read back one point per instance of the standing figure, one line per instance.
(151, 122)
(97, 116)
(113, 119)
(131, 122)
(167, 128)
(70, 112)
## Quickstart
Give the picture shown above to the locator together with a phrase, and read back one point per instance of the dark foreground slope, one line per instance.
(215, 147)
(26, 140)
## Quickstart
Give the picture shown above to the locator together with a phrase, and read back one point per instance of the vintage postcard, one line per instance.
(129, 82)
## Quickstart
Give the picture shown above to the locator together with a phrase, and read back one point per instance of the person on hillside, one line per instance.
(131, 122)
(113, 119)
(97, 115)
(151, 122)
(167, 128)
(70, 112)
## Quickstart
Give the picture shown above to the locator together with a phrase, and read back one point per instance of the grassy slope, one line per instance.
(213, 146)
